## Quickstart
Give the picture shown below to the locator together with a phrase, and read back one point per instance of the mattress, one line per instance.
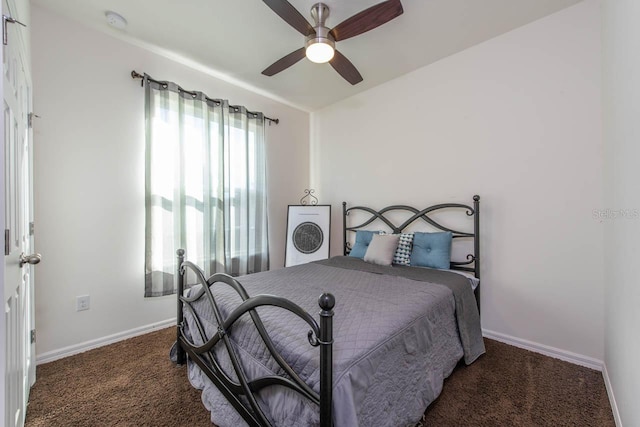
(398, 333)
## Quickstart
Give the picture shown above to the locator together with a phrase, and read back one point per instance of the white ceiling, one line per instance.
(240, 38)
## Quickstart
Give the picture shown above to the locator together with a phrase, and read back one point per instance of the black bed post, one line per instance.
(476, 243)
(327, 302)
(181, 356)
(344, 228)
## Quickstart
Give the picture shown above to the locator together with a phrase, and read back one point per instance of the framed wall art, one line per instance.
(308, 229)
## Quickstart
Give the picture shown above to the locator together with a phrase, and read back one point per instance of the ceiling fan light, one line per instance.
(319, 52)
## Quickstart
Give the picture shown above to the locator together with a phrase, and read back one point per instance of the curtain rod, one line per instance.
(136, 75)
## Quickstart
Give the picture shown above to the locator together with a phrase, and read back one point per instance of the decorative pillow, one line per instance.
(403, 251)
(431, 250)
(363, 238)
(382, 248)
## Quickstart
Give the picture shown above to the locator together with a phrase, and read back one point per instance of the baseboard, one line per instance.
(612, 399)
(50, 356)
(567, 356)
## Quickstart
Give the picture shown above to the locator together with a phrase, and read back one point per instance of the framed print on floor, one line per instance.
(308, 228)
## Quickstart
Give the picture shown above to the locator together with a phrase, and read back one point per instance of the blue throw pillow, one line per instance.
(363, 238)
(431, 250)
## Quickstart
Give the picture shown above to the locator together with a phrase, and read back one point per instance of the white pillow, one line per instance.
(382, 249)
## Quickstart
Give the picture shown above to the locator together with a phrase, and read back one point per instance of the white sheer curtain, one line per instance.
(205, 186)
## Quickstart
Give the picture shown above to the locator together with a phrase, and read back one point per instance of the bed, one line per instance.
(398, 331)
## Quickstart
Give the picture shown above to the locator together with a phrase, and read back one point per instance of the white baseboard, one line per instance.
(567, 356)
(612, 399)
(50, 356)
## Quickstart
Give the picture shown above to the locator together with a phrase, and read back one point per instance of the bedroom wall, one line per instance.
(516, 120)
(89, 178)
(621, 59)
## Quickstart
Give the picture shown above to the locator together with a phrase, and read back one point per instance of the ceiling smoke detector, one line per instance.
(115, 20)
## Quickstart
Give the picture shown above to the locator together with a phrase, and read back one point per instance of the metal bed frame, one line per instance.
(241, 393)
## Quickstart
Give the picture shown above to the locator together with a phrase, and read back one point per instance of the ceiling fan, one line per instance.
(320, 41)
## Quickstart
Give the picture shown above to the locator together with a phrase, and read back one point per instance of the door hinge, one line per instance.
(7, 248)
(30, 118)
(7, 19)
(33, 336)
(32, 228)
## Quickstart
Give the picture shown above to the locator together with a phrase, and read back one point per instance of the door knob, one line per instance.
(30, 259)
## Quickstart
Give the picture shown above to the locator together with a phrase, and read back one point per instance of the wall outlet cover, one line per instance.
(82, 303)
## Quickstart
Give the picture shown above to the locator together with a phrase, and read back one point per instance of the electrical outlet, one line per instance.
(82, 302)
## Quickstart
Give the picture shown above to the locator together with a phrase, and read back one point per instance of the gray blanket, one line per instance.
(395, 340)
(466, 308)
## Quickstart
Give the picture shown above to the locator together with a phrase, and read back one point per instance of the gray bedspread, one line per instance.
(398, 333)
(466, 308)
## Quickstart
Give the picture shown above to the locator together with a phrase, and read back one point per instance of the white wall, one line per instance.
(89, 177)
(621, 58)
(516, 120)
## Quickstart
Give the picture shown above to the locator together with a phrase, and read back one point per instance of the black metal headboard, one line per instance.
(472, 264)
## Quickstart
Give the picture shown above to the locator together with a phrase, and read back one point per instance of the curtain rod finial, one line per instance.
(136, 75)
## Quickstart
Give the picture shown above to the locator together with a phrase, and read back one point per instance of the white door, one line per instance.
(18, 213)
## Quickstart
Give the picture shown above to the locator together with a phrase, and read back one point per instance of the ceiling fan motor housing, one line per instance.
(320, 12)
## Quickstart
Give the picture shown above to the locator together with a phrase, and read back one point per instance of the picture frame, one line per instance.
(308, 234)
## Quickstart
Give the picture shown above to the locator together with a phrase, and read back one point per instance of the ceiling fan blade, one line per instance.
(367, 20)
(284, 62)
(291, 16)
(345, 68)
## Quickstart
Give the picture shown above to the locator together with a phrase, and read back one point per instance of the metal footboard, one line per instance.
(241, 393)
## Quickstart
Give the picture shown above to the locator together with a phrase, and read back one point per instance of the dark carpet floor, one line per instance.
(132, 383)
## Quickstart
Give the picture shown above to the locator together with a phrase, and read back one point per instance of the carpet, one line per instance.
(507, 386)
